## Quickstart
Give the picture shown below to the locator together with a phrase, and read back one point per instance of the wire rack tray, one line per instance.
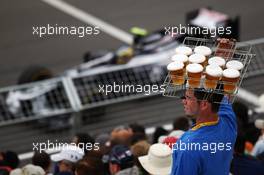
(176, 85)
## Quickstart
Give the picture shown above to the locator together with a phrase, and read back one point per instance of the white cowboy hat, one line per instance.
(28, 170)
(158, 161)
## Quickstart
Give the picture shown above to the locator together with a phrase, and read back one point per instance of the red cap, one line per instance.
(170, 141)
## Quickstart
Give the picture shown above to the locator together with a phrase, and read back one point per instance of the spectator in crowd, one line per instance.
(243, 164)
(104, 142)
(121, 161)
(28, 170)
(67, 159)
(137, 128)
(105, 148)
(140, 149)
(181, 123)
(214, 124)
(91, 164)
(259, 146)
(82, 140)
(158, 161)
(8, 161)
(43, 160)
(102, 139)
(159, 131)
(136, 137)
(121, 135)
(138, 133)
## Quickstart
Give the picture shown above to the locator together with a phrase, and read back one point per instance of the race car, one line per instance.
(141, 63)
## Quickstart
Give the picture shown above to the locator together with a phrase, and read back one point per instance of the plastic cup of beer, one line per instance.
(213, 74)
(218, 61)
(230, 79)
(176, 70)
(180, 57)
(234, 64)
(197, 58)
(194, 72)
(183, 50)
(203, 50)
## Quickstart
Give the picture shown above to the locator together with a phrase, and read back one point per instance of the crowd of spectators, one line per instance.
(128, 150)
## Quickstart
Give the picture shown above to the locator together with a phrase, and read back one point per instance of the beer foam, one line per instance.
(217, 60)
(203, 50)
(175, 65)
(197, 58)
(194, 68)
(231, 73)
(214, 70)
(180, 57)
(183, 50)
(234, 64)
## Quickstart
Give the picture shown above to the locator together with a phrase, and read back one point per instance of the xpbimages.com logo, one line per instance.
(80, 31)
(50, 145)
(193, 30)
(130, 88)
(204, 146)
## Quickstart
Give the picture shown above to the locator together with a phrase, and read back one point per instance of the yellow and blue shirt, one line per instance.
(207, 148)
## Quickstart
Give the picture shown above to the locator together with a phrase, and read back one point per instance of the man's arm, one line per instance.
(226, 111)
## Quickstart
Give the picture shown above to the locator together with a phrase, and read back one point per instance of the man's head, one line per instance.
(43, 160)
(181, 123)
(120, 158)
(91, 164)
(198, 102)
(121, 135)
(83, 139)
(67, 158)
(10, 159)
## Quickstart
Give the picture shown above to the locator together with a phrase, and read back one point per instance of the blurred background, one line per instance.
(81, 109)
(20, 49)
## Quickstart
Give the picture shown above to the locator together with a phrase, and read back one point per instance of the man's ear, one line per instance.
(204, 105)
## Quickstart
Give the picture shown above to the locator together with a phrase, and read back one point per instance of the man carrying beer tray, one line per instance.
(206, 149)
